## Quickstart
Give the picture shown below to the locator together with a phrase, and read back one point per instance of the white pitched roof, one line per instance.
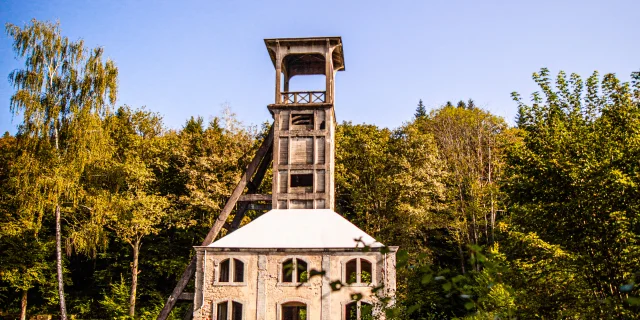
(297, 228)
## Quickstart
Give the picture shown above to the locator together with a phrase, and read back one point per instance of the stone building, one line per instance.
(289, 263)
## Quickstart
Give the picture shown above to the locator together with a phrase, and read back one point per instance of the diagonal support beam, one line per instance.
(253, 188)
(188, 273)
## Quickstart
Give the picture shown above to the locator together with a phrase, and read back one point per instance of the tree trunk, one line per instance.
(134, 278)
(23, 305)
(461, 257)
(63, 307)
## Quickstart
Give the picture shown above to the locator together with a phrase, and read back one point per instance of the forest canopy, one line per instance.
(101, 204)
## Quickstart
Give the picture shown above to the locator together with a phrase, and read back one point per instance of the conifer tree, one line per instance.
(421, 111)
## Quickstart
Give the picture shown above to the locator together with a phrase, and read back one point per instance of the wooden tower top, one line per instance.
(307, 46)
(305, 56)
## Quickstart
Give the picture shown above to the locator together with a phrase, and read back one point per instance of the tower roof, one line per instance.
(298, 228)
(304, 54)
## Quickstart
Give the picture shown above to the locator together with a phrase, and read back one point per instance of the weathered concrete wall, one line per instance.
(215, 292)
(338, 272)
(262, 293)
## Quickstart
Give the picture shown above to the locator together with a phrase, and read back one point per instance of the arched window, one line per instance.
(222, 310)
(294, 311)
(358, 310)
(295, 270)
(231, 270)
(358, 271)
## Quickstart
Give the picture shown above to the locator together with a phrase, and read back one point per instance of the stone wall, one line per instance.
(262, 293)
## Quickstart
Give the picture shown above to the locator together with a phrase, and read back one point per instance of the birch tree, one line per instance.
(62, 93)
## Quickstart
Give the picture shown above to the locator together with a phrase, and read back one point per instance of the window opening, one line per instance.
(302, 180)
(352, 311)
(301, 121)
(222, 311)
(294, 311)
(236, 311)
(224, 271)
(352, 271)
(366, 311)
(358, 310)
(365, 271)
(287, 271)
(238, 274)
(231, 269)
(301, 269)
(358, 271)
(294, 269)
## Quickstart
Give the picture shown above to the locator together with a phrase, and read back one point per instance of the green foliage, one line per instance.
(304, 276)
(302, 314)
(537, 221)
(366, 312)
(115, 303)
(62, 93)
(471, 142)
(388, 182)
(365, 277)
(573, 184)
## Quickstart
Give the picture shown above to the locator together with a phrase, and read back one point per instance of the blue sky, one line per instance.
(185, 58)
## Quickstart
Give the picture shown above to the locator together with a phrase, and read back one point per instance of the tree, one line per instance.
(23, 262)
(471, 142)
(390, 184)
(62, 94)
(573, 186)
(421, 111)
(135, 208)
(209, 161)
(471, 104)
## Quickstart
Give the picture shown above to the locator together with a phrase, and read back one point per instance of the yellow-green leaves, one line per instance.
(575, 201)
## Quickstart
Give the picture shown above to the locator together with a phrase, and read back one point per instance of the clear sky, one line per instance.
(185, 58)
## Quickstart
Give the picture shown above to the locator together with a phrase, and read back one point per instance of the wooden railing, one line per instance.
(303, 97)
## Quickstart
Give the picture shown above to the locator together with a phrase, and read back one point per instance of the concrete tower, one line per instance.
(304, 123)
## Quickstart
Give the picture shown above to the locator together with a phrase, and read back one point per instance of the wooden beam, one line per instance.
(303, 133)
(186, 296)
(262, 170)
(254, 197)
(182, 283)
(222, 218)
(298, 166)
(302, 196)
(259, 207)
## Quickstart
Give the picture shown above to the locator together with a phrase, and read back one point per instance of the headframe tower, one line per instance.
(304, 123)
